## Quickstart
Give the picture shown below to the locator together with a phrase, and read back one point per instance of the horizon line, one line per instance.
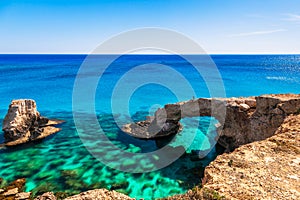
(215, 53)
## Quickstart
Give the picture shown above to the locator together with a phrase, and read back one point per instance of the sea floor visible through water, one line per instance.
(61, 163)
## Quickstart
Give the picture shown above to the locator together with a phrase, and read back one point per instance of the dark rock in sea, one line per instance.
(43, 188)
(151, 130)
(69, 174)
(117, 186)
(23, 123)
(61, 195)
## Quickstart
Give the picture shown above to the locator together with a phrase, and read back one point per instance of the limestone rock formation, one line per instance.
(148, 129)
(23, 196)
(100, 194)
(23, 123)
(15, 190)
(46, 196)
(242, 120)
(267, 169)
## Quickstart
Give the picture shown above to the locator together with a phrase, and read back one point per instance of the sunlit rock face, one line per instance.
(242, 120)
(23, 123)
(267, 169)
(99, 194)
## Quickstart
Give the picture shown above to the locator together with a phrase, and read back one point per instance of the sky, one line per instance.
(218, 26)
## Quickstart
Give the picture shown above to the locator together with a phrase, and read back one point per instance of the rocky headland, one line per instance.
(23, 123)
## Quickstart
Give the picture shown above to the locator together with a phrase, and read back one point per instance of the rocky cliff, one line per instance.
(23, 123)
(241, 120)
(267, 169)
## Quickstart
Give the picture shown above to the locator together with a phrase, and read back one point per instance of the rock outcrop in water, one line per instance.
(23, 123)
(244, 120)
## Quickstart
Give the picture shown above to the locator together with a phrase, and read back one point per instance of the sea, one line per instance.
(119, 90)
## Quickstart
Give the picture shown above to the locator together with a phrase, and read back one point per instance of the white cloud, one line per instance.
(257, 33)
(292, 18)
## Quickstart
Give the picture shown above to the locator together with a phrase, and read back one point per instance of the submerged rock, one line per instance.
(23, 123)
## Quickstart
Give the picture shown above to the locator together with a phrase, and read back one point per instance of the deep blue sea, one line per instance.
(61, 163)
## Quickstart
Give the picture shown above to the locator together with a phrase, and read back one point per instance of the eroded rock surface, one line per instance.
(100, 194)
(267, 169)
(242, 120)
(46, 196)
(15, 190)
(23, 123)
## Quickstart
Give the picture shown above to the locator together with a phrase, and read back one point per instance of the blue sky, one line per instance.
(219, 26)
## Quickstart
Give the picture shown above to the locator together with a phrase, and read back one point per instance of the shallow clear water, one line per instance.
(63, 161)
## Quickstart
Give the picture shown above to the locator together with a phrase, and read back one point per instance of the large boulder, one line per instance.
(23, 123)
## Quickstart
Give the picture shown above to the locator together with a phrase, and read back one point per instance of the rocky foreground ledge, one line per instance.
(23, 123)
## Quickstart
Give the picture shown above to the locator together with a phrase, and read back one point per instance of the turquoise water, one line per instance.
(62, 159)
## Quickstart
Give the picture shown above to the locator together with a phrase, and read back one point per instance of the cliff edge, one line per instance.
(267, 169)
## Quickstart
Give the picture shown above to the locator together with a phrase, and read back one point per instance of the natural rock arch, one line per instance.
(242, 120)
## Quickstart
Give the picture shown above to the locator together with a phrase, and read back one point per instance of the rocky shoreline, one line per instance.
(262, 161)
